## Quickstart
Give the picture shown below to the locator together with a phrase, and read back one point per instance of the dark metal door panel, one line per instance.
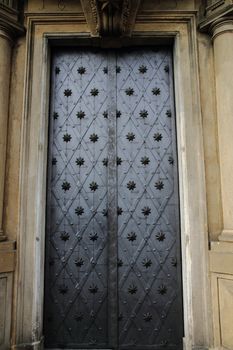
(76, 251)
(112, 182)
(150, 306)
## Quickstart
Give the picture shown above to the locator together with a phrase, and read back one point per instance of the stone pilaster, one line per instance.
(5, 70)
(222, 36)
(9, 28)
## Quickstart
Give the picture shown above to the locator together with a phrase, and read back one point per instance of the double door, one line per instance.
(113, 269)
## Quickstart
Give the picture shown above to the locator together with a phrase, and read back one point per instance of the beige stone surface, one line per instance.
(5, 64)
(167, 5)
(210, 135)
(221, 247)
(43, 6)
(221, 267)
(11, 213)
(5, 310)
(221, 257)
(7, 261)
(223, 52)
(226, 314)
(7, 256)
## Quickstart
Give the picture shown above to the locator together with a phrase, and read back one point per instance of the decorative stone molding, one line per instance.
(221, 26)
(9, 19)
(110, 17)
(217, 6)
(214, 10)
(9, 3)
(91, 15)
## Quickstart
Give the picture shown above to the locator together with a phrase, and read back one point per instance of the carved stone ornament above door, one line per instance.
(110, 17)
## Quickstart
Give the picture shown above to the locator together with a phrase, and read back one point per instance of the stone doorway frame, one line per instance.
(42, 32)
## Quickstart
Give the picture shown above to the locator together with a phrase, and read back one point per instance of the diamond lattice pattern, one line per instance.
(149, 272)
(149, 290)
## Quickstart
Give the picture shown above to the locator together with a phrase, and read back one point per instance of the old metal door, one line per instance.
(113, 270)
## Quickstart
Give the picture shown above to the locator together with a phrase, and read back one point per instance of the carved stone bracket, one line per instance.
(110, 17)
